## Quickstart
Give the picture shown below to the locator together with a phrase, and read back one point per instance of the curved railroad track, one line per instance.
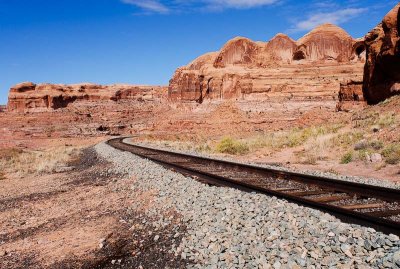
(367, 205)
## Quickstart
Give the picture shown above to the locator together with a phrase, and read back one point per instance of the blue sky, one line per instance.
(144, 41)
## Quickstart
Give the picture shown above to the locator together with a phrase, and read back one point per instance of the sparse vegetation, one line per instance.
(203, 148)
(347, 158)
(362, 155)
(24, 162)
(292, 138)
(367, 120)
(310, 159)
(332, 171)
(230, 146)
(392, 153)
(345, 140)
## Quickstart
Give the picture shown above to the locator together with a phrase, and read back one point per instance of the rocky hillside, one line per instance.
(311, 68)
(30, 97)
(382, 70)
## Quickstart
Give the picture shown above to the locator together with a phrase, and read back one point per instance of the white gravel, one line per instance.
(227, 228)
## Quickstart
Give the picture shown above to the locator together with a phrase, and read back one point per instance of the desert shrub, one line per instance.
(2, 176)
(362, 154)
(347, 158)
(392, 154)
(231, 146)
(376, 144)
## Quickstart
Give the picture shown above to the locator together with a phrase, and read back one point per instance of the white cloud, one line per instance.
(159, 6)
(238, 3)
(336, 17)
(149, 5)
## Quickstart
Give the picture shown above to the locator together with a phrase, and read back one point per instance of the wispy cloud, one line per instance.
(164, 7)
(335, 17)
(149, 5)
(238, 4)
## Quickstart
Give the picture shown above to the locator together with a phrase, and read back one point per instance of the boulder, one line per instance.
(382, 68)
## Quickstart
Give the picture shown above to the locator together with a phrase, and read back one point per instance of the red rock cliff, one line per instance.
(382, 69)
(30, 97)
(311, 68)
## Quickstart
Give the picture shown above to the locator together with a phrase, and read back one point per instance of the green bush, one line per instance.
(347, 158)
(231, 146)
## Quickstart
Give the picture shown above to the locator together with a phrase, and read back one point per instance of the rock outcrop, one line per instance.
(30, 97)
(311, 68)
(382, 68)
(350, 95)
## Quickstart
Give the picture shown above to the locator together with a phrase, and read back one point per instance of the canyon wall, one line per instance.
(281, 69)
(30, 97)
(382, 69)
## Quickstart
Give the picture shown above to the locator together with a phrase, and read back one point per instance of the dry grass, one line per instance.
(392, 153)
(28, 162)
(290, 139)
(230, 146)
(347, 158)
(367, 120)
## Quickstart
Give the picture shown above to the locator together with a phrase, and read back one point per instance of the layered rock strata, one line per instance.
(382, 68)
(310, 68)
(30, 97)
(350, 95)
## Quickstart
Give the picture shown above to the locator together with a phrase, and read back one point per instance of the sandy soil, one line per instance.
(80, 219)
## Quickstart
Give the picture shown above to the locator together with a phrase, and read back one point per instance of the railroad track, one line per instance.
(367, 205)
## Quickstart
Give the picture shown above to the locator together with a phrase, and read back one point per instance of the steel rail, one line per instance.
(371, 219)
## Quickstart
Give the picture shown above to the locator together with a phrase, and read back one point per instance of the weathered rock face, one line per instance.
(238, 51)
(29, 97)
(280, 49)
(382, 69)
(311, 68)
(350, 95)
(325, 43)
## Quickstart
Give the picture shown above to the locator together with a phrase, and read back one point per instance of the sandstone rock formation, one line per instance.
(311, 68)
(350, 95)
(30, 97)
(382, 69)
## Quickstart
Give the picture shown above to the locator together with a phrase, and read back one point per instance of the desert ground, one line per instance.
(68, 200)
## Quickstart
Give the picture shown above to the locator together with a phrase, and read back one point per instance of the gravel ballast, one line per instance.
(364, 180)
(227, 228)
